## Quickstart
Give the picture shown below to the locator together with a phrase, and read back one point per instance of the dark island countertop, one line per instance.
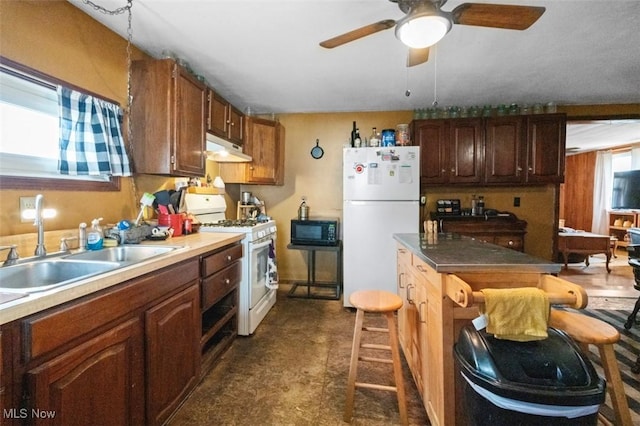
(451, 253)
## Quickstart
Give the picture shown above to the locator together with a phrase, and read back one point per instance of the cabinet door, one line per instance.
(505, 150)
(465, 150)
(97, 383)
(218, 110)
(189, 119)
(432, 136)
(546, 148)
(172, 331)
(422, 336)
(264, 145)
(236, 124)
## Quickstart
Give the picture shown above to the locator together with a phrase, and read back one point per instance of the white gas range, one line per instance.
(259, 274)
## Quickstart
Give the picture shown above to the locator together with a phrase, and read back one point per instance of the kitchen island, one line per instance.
(429, 265)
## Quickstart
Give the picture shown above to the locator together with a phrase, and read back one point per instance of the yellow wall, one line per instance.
(56, 38)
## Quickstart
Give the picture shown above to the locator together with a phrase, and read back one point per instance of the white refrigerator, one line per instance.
(381, 193)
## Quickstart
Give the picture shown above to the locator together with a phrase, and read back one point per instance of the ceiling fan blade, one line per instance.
(417, 56)
(358, 33)
(497, 15)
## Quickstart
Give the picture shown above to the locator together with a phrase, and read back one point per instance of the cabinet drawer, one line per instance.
(514, 242)
(219, 284)
(56, 327)
(215, 262)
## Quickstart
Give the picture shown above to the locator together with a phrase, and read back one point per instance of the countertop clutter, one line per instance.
(193, 245)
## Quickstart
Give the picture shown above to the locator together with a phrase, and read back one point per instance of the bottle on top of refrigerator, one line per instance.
(374, 140)
(357, 142)
(95, 238)
(353, 135)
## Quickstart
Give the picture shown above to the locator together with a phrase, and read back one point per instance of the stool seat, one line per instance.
(385, 304)
(583, 328)
(375, 301)
(587, 331)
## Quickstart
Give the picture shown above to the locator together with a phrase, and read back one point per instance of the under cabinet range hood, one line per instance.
(224, 151)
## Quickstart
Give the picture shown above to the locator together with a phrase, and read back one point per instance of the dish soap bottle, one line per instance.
(95, 238)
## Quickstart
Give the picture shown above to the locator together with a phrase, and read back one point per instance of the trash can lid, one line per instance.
(550, 371)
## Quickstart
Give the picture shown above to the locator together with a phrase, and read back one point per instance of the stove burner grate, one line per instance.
(229, 223)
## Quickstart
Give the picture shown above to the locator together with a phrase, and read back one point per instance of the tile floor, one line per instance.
(293, 370)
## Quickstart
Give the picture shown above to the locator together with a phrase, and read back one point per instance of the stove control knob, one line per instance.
(261, 234)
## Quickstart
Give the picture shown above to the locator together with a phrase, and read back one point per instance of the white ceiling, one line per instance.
(264, 54)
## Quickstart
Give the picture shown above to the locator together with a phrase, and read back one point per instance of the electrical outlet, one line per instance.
(516, 201)
(27, 203)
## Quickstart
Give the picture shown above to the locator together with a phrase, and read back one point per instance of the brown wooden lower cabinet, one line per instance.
(97, 382)
(173, 353)
(126, 355)
(506, 231)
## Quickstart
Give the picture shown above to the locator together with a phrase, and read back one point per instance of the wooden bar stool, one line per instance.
(385, 303)
(586, 330)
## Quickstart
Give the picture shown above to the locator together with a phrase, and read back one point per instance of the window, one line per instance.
(29, 135)
(621, 161)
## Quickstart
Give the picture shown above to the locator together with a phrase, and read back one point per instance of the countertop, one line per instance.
(190, 246)
(451, 253)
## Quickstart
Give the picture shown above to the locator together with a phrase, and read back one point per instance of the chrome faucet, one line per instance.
(12, 257)
(39, 222)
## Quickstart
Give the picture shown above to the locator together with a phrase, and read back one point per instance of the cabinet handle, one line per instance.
(409, 298)
(421, 317)
(400, 276)
(530, 169)
(444, 170)
(519, 168)
(420, 268)
(511, 242)
(229, 258)
(227, 281)
(453, 170)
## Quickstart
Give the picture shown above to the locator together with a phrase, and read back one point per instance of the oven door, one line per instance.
(259, 279)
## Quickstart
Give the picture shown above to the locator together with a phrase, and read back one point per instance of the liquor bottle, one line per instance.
(374, 140)
(353, 135)
(357, 142)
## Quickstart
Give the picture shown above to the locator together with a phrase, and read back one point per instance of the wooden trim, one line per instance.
(12, 182)
(46, 79)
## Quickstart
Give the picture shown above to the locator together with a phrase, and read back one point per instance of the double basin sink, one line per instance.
(47, 273)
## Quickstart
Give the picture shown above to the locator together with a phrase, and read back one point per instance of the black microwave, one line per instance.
(321, 231)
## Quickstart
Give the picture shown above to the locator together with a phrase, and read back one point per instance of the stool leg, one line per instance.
(632, 316)
(397, 367)
(353, 366)
(615, 386)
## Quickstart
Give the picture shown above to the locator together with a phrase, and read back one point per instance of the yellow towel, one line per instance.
(519, 314)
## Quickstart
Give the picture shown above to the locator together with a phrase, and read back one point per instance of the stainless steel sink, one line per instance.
(46, 274)
(123, 254)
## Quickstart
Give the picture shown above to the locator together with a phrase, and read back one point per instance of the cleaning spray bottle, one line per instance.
(95, 237)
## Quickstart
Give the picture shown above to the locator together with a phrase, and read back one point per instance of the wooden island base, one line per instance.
(429, 274)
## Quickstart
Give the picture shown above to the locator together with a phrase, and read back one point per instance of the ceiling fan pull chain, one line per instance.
(435, 76)
(407, 92)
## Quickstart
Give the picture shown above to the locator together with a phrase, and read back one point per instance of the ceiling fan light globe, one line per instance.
(422, 30)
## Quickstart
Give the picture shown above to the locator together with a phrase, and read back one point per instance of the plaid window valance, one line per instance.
(90, 136)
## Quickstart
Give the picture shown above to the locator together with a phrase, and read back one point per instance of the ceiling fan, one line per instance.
(425, 23)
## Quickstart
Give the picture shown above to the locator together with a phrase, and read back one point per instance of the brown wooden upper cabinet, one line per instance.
(264, 142)
(498, 150)
(225, 120)
(168, 119)
(451, 150)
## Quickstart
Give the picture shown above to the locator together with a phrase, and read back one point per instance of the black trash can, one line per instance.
(544, 382)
